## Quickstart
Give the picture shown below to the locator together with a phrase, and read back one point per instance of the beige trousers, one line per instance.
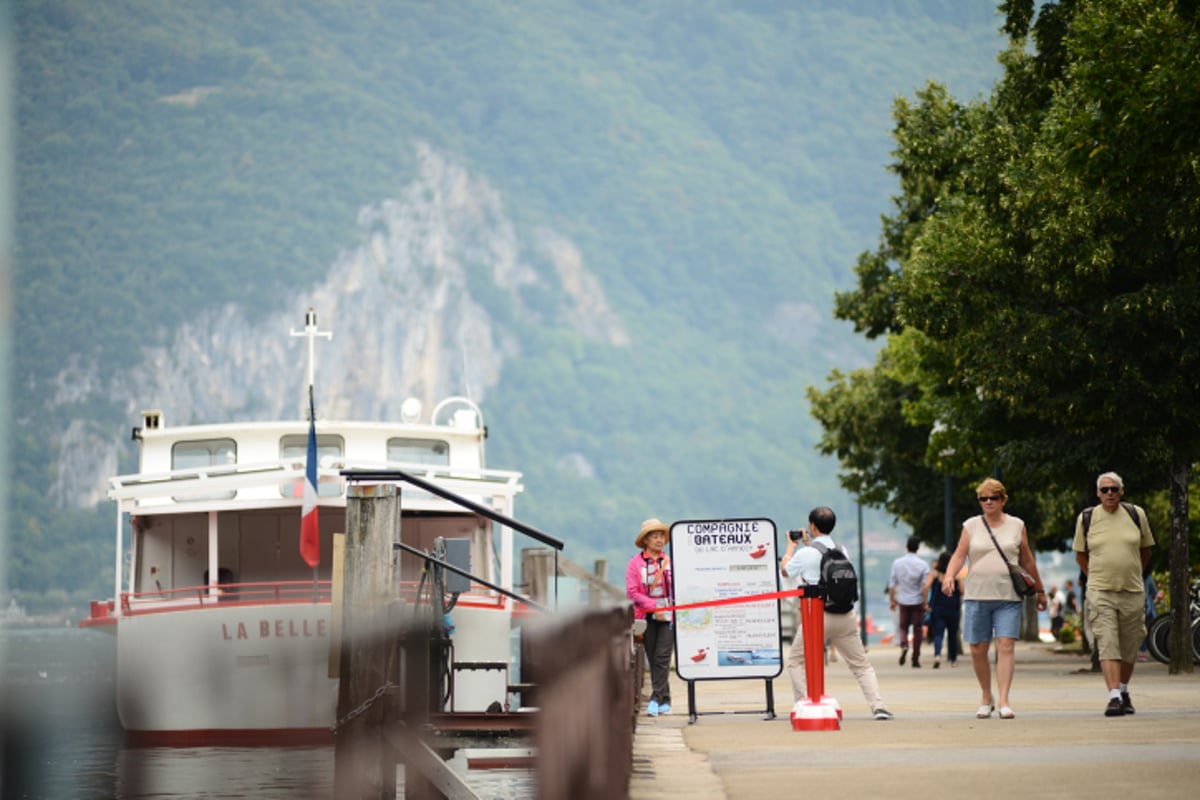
(841, 632)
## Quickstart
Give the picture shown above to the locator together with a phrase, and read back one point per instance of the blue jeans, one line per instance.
(984, 620)
(941, 624)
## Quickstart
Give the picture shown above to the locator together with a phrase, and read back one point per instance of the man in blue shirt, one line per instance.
(803, 564)
(906, 590)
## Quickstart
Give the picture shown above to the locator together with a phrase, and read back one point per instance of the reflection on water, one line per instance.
(61, 738)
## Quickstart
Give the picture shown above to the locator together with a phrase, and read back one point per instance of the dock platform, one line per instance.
(1060, 744)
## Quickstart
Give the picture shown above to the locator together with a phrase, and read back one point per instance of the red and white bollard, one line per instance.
(817, 711)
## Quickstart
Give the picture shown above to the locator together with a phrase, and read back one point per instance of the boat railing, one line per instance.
(206, 481)
(480, 595)
(259, 593)
(215, 477)
(202, 595)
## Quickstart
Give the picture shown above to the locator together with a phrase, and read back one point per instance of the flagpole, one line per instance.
(311, 333)
(312, 422)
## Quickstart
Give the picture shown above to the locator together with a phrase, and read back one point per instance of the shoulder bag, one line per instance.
(1022, 582)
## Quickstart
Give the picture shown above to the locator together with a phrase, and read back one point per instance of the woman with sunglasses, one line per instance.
(991, 607)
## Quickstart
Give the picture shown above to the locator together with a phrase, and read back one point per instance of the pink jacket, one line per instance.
(648, 584)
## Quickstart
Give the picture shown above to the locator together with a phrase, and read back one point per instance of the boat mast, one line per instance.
(311, 333)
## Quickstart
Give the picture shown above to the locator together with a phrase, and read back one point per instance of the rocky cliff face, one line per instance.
(404, 318)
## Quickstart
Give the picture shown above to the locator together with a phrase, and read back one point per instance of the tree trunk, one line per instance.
(1029, 620)
(1181, 616)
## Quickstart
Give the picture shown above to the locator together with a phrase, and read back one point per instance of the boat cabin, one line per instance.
(214, 510)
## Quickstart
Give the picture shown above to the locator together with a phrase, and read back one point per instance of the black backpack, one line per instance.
(839, 581)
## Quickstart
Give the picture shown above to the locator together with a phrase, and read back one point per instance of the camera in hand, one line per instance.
(796, 536)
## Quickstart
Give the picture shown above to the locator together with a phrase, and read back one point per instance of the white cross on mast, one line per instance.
(311, 333)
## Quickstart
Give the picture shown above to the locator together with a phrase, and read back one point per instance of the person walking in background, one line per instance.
(1152, 592)
(944, 611)
(1058, 609)
(1072, 603)
(909, 572)
(991, 606)
(1112, 547)
(1075, 608)
(648, 586)
(803, 564)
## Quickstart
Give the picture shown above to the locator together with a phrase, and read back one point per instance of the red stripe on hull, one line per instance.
(275, 737)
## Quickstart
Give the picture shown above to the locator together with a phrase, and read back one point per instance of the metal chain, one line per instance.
(363, 707)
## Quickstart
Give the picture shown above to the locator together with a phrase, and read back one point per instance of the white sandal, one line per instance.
(1007, 713)
(985, 711)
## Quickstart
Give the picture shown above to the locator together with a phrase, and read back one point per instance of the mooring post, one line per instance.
(364, 764)
(537, 573)
(600, 570)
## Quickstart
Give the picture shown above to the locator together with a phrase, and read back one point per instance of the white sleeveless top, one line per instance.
(987, 578)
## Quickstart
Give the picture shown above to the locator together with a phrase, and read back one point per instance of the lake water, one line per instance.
(60, 738)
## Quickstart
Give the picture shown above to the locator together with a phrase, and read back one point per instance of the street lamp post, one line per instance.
(862, 590)
(949, 510)
(945, 453)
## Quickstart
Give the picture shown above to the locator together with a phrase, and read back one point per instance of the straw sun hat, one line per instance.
(648, 527)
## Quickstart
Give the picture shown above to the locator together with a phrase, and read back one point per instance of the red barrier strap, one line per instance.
(728, 601)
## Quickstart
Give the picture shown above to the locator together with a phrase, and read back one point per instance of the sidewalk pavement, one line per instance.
(1060, 745)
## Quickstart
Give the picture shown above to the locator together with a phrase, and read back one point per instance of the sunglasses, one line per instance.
(1109, 489)
(993, 497)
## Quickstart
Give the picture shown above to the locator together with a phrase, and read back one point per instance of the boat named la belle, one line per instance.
(223, 631)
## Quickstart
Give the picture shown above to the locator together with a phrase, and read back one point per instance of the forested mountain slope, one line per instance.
(624, 220)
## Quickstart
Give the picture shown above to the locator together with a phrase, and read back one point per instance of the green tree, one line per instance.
(1041, 269)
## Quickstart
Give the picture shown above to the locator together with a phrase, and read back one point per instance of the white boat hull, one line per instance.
(209, 671)
(246, 673)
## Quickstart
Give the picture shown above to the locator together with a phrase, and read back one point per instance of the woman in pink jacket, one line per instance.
(648, 585)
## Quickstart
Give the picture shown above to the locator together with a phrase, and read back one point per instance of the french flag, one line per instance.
(310, 548)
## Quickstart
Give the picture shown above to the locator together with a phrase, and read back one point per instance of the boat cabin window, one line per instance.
(202, 454)
(295, 448)
(418, 451)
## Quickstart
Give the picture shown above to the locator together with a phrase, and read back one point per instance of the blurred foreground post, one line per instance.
(585, 668)
(364, 765)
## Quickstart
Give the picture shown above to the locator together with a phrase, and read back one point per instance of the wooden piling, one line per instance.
(364, 766)
(537, 572)
(600, 571)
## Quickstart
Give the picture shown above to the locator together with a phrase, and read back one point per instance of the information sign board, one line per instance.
(714, 560)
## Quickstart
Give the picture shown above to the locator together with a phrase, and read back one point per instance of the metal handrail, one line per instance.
(474, 578)
(445, 494)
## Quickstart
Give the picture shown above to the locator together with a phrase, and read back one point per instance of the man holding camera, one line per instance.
(803, 563)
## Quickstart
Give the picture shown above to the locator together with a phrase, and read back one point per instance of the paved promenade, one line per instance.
(1059, 746)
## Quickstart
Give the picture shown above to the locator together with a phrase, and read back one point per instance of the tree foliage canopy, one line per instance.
(1039, 279)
